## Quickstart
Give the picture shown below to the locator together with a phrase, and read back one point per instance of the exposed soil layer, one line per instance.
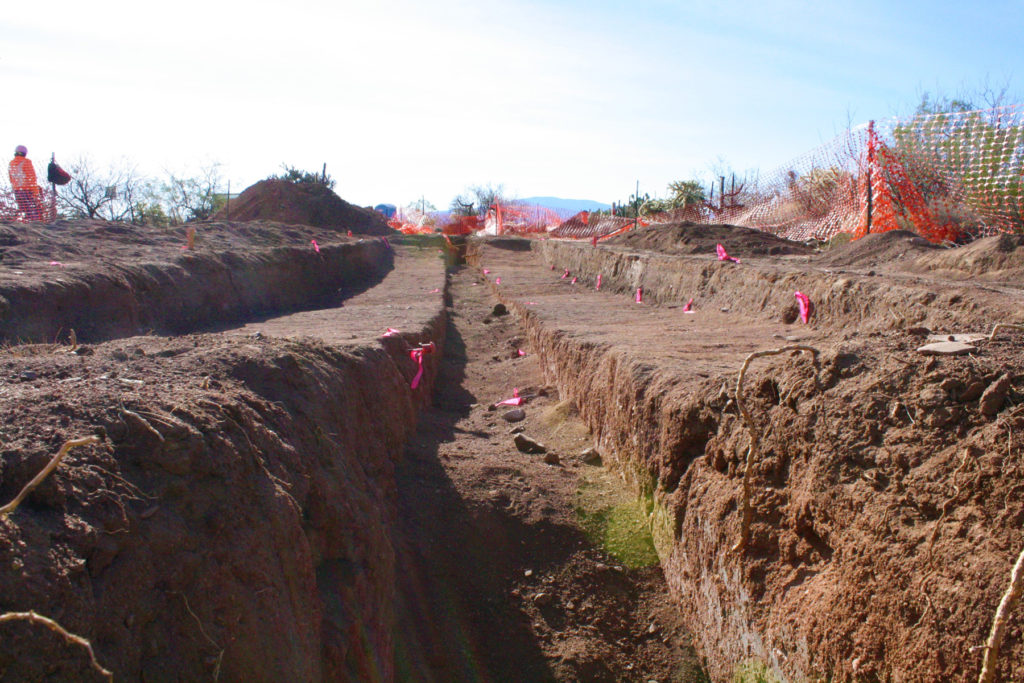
(106, 280)
(236, 519)
(692, 238)
(498, 581)
(303, 204)
(888, 491)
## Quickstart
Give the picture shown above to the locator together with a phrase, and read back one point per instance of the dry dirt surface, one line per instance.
(271, 497)
(888, 485)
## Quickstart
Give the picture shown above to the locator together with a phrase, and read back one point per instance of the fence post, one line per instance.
(871, 162)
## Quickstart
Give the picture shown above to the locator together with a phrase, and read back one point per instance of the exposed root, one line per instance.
(1003, 326)
(211, 641)
(45, 472)
(995, 637)
(748, 512)
(62, 632)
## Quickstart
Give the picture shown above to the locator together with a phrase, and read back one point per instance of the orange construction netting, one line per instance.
(944, 176)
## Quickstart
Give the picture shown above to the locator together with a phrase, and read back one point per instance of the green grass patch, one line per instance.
(614, 519)
(754, 672)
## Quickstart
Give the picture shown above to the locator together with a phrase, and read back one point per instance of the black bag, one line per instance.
(57, 175)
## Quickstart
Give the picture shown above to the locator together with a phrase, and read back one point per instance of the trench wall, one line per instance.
(195, 291)
(235, 523)
(841, 299)
(829, 587)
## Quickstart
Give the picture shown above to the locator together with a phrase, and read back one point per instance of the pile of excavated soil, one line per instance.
(999, 258)
(892, 248)
(693, 238)
(303, 204)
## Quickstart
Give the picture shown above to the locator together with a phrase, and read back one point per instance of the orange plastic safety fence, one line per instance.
(21, 205)
(943, 176)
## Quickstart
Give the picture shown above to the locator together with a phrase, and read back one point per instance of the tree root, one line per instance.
(995, 637)
(1003, 326)
(748, 512)
(62, 632)
(45, 472)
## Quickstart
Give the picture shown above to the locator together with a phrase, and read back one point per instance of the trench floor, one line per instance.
(497, 579)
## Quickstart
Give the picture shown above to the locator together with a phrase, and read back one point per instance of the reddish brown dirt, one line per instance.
(693, 238)
(858, 468)
(488, 529)
(303, 204)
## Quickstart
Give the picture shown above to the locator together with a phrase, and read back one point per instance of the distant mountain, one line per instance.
(572, 205)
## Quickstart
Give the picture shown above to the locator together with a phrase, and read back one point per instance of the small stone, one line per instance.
(946, 348)
(84, 351)
(527, 445)
(118, 354)
(992, 400)
(919, 331)
(591, 456)
(543, 599)
(491, 408)
(551, 458)
(514, 415)
(499, 310)
(528, 573)
(29, 375)
(973, 391)
(653, 628)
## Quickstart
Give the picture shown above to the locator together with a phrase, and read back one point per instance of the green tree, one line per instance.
(295, 175)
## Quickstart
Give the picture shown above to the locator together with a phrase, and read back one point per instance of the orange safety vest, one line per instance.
(22, 173)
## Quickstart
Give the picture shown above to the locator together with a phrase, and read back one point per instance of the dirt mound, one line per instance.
(879, 249)
(691, 238)
(992, 258)
(304, 204)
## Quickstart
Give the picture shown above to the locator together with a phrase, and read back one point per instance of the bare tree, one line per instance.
(191, 198)
(110, 194)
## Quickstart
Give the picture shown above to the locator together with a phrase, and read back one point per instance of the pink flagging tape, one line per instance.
(805, 306)
(573, 281)
(391, 332)
(565, 274)
(57, 263)
(531, 303)
(349, 233)
(522, 353)
(514, 401)
(435, 290)
(552, 266)
(723, 255)
(417, 355)
(315, 246)
(639, 295)
(598, 288)
(688, 308)
(497, 280)
(487, 271)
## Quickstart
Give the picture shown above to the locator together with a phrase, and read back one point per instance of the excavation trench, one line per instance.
(872, 554)
(274, 500)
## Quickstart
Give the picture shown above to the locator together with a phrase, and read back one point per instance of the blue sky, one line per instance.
(402, 98)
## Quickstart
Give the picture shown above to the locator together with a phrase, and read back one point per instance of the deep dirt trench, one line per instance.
(497, 581)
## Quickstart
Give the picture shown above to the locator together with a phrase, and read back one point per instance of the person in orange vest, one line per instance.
(23, 180)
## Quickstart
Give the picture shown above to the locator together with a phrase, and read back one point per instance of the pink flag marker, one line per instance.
(57, 263)
(598, 288)
(522, 353)
(723, 255)
(514, 401)
(417, 355)
(349, 233)
(639, 295)
(531, 303)
(487, 271)
(391, 332)
(565, 274)
(593, 241)
(315, 246)
(688, 308)
(805, 306)
(573, 281)
(435, 290)
(497, 280)
(552, 266)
